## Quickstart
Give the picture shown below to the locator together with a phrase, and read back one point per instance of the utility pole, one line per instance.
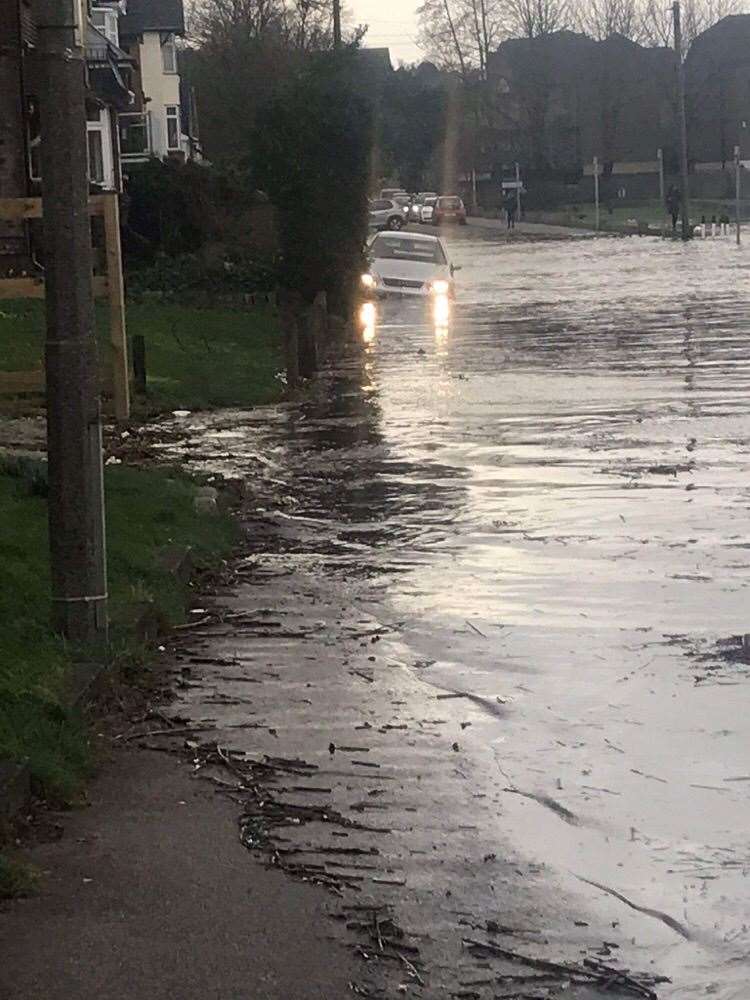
(738, 189)
(74, 437)
(337, 24)
(596, 191)
(662, 193)
(518, 191)
(676, 13)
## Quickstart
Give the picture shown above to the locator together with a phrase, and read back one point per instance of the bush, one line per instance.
(197, 279)
(312, 154)
(175, 208)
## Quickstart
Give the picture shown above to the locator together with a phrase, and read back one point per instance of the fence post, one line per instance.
(117, 327)
(289, 314)
(139, 362)
(738, 191)
(596, 191)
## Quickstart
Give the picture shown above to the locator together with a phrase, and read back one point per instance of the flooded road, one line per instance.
(545, 507)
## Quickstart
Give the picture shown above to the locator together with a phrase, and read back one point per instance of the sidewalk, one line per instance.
(531, 229)
(150, 896)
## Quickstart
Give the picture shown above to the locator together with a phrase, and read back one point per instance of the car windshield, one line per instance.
(380, 206)
(423, 251)
(401, 199)
(429, 202)
(450, 202)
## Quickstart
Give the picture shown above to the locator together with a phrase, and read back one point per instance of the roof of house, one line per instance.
(153, 15)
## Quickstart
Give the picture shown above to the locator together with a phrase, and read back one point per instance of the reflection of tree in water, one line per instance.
(345, 473)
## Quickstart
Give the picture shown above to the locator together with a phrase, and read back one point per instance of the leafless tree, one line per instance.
(697, 17)
(300, 24)
(537, 18)
(461, 34)
(603, 18)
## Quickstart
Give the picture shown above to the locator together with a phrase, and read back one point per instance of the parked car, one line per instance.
(449, 208)
(391, 193)
(385, 213)
(411, 265)
(417, 204)
(405, 202)
(427, 210)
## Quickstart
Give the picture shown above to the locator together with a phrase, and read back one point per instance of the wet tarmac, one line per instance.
(506, 560)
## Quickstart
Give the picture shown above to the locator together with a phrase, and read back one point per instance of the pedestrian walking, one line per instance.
(510, 206)
(674, 200)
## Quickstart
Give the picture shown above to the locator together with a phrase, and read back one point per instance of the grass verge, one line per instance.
(651, 212)
(146, 511)
(17, 878)
(195, 358)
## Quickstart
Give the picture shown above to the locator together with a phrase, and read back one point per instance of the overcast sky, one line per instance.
(393, 25)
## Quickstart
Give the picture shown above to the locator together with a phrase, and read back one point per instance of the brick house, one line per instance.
(108, 90)
(135, 105)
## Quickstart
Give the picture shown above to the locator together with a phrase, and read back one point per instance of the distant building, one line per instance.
(162, 121)
(717, 72)
(565, 98)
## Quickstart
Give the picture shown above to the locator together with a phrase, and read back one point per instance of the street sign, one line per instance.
(512, 185)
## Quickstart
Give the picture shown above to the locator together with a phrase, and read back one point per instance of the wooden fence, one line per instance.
(110, 286)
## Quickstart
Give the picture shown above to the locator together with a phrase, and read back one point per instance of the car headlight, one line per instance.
(367, 281)
(440, 287)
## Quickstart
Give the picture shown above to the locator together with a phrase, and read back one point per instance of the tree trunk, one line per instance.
(290, 308)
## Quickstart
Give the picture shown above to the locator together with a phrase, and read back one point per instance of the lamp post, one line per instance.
(682, 119)
(596, 192)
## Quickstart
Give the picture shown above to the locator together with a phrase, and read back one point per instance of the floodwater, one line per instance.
(547, 503)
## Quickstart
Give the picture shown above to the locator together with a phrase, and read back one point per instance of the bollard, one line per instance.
(139, 362)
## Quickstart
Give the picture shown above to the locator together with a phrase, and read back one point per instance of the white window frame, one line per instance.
(145, 117)
(111, 28)
(102, 127)
(169, 55)
(173, 113)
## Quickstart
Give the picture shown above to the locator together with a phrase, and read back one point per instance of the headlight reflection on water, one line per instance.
(441, 312)
(368, 316)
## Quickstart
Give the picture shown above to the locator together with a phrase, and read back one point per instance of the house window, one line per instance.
(96, 157)
(168, 54)
(135, 135)
(173, 126)
(99, 143)
(34, 139)
(105, 20)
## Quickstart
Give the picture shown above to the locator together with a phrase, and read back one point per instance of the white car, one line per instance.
(428, 209)
(385, 213)
(418, 204)
(409, 265)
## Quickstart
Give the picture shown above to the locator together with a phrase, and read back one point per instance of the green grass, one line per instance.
(195, 358)
(652, 212)
(147, 510)
(17, 878)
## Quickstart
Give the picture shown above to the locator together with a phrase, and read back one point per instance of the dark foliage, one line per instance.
(312, 153)
(176, 208)
(413, 117)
